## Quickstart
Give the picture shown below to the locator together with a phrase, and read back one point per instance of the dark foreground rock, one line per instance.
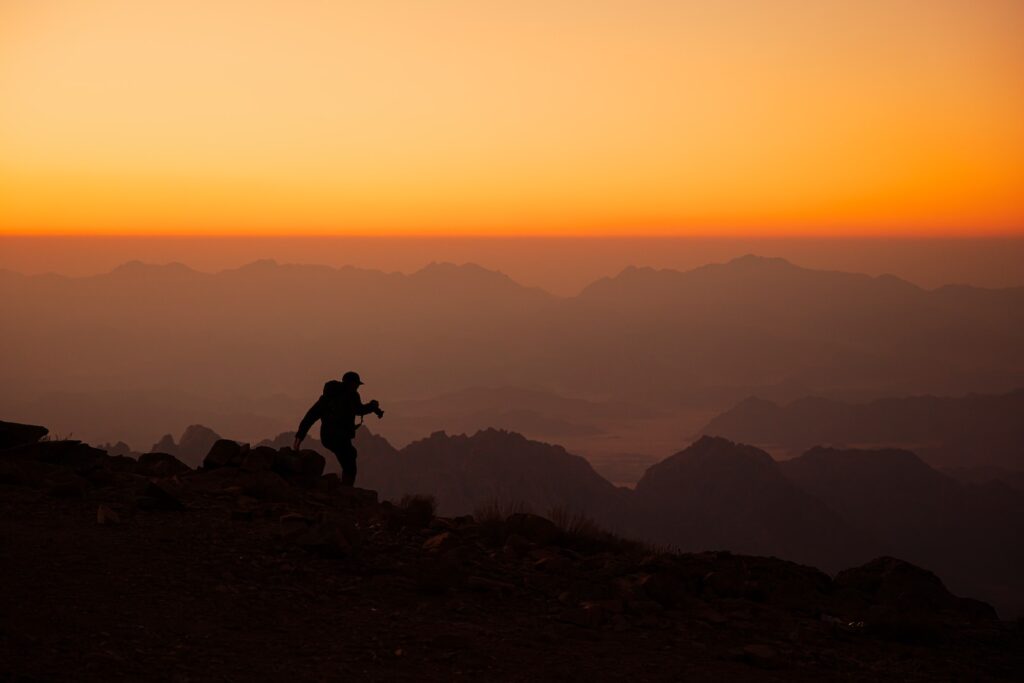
(13, 434)
(261, 569)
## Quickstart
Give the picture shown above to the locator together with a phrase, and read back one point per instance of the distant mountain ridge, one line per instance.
(892, 496)
(250, 348)
(719, 495)
(970, 431)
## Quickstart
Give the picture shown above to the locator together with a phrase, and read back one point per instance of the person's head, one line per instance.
(351, 379)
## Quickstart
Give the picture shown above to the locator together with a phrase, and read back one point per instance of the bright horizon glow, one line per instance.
(650, 117)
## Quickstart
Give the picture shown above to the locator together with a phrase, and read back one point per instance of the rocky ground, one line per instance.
(257, 567)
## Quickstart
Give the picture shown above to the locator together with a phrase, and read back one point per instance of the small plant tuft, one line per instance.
(582, 533)
(418, 510)
(574, 524)
(491, 516)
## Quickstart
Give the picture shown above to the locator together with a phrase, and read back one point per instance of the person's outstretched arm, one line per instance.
(314, 413)
(365, 408)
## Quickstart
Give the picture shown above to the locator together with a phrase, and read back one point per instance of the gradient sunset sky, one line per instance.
(710, 117)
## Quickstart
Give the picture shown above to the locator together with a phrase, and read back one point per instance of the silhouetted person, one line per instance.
(337, 410)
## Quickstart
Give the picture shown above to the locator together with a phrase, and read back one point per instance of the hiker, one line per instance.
(337, 410)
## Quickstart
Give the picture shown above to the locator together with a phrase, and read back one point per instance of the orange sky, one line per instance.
(529, 117)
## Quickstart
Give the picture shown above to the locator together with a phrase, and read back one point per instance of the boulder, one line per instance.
(517, 546)
(14, 434)
(123, 463)
(259, 458)
(298, 464)
(223, 453)
(887, 582)
(70, 453)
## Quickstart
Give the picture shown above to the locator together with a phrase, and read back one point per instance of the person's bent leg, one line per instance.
(347, 459)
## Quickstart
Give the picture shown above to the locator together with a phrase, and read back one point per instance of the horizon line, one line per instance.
(872, 236)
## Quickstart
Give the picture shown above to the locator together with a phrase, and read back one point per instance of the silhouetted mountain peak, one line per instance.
(447, 269)
(709, 449)
(197, 433)
(137, 268)
(195, 443)
(261, 265)
(892, 456)
(629, 279)
(753, 261)
(772, 278)
(867, 467)
(497, 440)
(710, 458)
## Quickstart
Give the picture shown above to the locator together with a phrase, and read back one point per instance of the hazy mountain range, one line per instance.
(975, 431)
(251, 347)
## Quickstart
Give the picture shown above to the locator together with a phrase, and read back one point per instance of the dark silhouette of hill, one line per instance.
(492, 466)
(699, 339)
(829, 508)
(964, 432)
(970, 534)
(258, 566)
(719, 495)
(987, 475)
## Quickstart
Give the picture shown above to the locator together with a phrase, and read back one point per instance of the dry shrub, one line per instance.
(574, 524)
(496, 511)
(418, 509)
(491, 516)
(582, 533)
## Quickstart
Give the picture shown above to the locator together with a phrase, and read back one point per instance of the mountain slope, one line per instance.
(970, 534)
(720, 495)
(969, 431)
(466, 472)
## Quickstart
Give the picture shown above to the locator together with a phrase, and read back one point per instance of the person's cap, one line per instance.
(352, 378)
